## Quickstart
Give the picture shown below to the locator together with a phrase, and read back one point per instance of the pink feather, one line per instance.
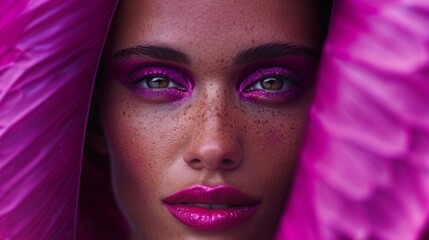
(49, 51)
(364, 170)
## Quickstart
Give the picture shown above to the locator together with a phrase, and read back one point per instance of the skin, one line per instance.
(215, 135)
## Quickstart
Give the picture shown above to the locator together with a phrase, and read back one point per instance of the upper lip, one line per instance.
(217, 195)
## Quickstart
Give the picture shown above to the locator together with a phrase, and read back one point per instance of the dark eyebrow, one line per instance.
(273, 50)
(149, 51)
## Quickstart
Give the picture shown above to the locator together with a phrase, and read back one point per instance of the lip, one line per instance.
(230, 207)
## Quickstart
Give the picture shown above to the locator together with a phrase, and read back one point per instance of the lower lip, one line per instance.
(211, 219)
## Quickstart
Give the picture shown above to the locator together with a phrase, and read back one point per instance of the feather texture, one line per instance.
(49, 51)
(364, 170)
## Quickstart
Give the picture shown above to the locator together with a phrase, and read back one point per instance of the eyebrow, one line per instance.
(274, 50)
(262, 52)
(150, 51)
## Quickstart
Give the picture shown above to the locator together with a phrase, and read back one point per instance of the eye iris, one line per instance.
(157, 82)
(272, 83)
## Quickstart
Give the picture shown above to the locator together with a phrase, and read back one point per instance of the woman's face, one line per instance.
(203, 107)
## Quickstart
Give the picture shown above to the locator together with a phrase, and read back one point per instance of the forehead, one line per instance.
(222, 26)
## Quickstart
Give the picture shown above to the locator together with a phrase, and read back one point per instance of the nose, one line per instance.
(215, 142)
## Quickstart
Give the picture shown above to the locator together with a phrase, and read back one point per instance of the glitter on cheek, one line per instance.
(271, 97)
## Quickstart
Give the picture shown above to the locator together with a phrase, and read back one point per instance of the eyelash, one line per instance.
(251, 89)
(178, 87)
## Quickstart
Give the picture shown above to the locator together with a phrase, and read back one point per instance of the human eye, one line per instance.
(271, 85)
(160, 84)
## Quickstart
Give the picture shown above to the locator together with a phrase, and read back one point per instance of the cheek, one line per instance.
(272, 142)
(277, 134)
(139, 158)
(275, 140)
(146, 147)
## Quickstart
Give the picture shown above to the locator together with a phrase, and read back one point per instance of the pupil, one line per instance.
(157, 82)
(272, 84)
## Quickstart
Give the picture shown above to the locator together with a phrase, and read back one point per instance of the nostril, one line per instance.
(195, 162)
(228, 162)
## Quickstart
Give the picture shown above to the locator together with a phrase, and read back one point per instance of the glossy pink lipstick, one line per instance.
(211, 208)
